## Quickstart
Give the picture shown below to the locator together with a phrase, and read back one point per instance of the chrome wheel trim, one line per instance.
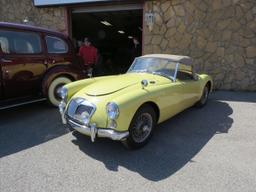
(142, 127)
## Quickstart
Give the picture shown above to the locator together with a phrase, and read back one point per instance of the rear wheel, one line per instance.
(204, 97)
(54, 88)
(141, 127)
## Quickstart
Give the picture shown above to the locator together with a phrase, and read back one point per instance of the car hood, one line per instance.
(109, 85)
(113, 84)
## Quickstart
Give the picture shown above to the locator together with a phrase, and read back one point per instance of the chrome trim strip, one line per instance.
(24, 103)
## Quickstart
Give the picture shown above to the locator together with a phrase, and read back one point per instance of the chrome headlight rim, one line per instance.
(112, 110)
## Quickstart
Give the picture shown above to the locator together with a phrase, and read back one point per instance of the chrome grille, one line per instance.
(79, 105)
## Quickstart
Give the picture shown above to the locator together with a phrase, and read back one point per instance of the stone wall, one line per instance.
(18, 10)
(220, 35)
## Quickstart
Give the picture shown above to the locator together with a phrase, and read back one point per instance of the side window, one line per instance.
(4, 44)
(56, 45)
(185, 72)
(181, 75)
(20, 42)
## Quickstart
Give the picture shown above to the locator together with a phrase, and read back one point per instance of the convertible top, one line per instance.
(176, 58)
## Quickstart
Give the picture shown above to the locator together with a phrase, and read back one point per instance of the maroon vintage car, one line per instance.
(34, 64)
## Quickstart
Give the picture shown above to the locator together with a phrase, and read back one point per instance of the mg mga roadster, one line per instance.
(127, 107)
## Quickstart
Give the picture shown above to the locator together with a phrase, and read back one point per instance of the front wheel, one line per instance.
(54, 88)
(141, 127)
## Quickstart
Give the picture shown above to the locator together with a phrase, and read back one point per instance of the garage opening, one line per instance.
(112, 31)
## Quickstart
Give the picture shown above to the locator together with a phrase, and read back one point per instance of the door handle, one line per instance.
(6, 60)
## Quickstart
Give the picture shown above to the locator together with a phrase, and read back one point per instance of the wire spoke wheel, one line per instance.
(142, 127)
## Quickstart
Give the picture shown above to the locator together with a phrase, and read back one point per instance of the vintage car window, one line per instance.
(20, 42)
(157, 66)
(4, 44)
(56, 45)
(185, 72)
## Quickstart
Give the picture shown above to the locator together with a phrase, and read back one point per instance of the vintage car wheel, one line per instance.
(56, 84)
(141, 127)
(204, 97)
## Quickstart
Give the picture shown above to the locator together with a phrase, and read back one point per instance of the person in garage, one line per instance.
(89, 55)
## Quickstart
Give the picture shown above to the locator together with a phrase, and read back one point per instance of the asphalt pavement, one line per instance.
(199, 150)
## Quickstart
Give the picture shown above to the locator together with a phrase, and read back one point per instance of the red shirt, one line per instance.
(89, 54)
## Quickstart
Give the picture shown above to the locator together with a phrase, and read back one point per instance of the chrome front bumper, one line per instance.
(91, 130)
(94, 132)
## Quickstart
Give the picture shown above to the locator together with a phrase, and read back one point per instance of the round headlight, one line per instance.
(112, 110)
(63, 93)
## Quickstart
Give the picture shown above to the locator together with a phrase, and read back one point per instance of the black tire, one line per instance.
(52, 92)
(141, 128)
(204, 98)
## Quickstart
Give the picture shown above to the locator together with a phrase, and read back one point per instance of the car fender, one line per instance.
(60, 70)
(204, 79)
(131, 102)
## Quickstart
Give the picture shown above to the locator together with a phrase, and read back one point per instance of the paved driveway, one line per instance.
(209, 149)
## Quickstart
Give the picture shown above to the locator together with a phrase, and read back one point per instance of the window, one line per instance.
(185, 72)
(56, 45)
(4, 45)
(20, 42)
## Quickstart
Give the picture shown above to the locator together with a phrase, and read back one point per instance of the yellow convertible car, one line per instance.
(127, 107)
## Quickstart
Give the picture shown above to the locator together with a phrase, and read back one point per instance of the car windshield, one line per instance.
(156, 66)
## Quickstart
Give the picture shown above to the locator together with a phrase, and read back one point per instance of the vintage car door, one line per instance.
(177, 96)
(171, 99)
(23, 63)
(190, 86)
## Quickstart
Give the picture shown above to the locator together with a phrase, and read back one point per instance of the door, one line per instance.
(171, 99)
(190, 87)
(23, 63)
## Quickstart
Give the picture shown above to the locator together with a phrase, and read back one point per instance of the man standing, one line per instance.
(89, 54)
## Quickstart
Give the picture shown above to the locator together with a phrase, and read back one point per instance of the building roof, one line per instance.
(176, 58)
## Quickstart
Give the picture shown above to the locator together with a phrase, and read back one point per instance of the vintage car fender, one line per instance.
(60, 70)
(204, 78)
